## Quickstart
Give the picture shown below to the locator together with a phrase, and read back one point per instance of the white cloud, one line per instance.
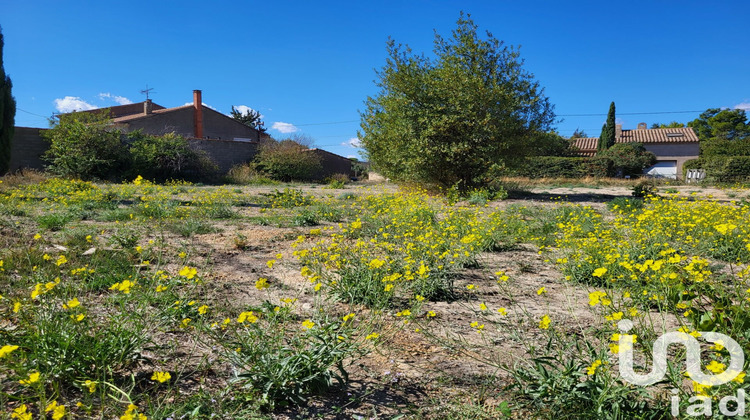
(283, 127)
(743, 105)
(244, 109)
(202, 103)
(351, 157)
(353, 142)
(121, 100)
(72, 103)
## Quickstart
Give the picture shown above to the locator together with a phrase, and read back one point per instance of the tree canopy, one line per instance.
(673, 124)
(579, 134)
(723, 132)
(457, 118)
(7, 114)
(250, 118)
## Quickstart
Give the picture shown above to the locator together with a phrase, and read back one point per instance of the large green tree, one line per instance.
(7, 113)
(607, 138)
(457, 118)
(673, 124)
(723, 132)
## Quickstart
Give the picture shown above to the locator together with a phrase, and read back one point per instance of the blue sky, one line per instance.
(308, 66)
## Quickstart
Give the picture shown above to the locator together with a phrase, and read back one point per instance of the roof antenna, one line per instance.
(146, 91)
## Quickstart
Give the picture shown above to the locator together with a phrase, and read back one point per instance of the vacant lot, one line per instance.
(365, 302)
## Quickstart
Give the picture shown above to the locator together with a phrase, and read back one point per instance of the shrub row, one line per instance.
(566, 167)
(722, 168)
(89, 146)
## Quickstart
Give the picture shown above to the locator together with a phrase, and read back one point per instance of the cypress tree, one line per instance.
(611, 126)
(7, 114)
(607, 138)
(601, 146)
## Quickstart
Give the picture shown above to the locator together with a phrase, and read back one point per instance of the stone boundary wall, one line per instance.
(27, 148)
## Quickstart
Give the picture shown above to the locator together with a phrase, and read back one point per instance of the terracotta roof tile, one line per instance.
(659, 135)
(127, 118)
(585, 144)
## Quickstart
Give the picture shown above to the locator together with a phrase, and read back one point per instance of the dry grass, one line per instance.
(22, 177)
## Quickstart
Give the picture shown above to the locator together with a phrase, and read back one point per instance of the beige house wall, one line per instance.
(679, 152)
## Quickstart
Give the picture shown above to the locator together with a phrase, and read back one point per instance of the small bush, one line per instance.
(629, 158)
(190, 227)
(288, 198)
(625, 204)
(54, 221)
(337, 181)
(246, 175)
(161, 158)
(644, 188)
(287, 160)
(305, 218)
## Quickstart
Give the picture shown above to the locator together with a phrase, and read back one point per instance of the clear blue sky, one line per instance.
(309, 65)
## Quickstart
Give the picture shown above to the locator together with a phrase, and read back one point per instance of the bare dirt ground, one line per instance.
(420, 373)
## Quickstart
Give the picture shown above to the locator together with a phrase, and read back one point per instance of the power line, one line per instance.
(23, 110)
(327, 123)
(558, 115)
(630, 113)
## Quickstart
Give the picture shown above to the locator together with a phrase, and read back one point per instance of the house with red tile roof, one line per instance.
(193, 121)
(672, 147)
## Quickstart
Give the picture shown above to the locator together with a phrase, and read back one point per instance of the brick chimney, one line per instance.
(197, 114)
(642, 126)
(147, 107)
(618, 132)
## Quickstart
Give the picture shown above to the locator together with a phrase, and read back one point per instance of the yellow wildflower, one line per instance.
(6, 350)
(33, 378)
(599, 272)
(545, 322)
(91, 386)
(262, 283)
(592, 369)
(161, 377)
(376, 263)
(247, 316)
(72, 304)
(58, 410)
(188, 272)
(21, 413)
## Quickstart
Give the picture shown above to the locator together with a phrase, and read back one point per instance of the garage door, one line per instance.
(663, 169)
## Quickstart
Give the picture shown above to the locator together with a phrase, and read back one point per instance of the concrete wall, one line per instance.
(332, 164)
(226, 153)
(27, 148)
(680, 152)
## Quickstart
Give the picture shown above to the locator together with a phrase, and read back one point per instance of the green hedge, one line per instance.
(722, 168)
(565, 167)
